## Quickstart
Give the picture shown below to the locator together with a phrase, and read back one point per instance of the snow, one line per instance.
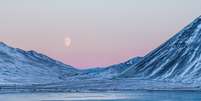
(100, 86)
(108, 72)
(175, 65)
(178, 59)
(18, 66)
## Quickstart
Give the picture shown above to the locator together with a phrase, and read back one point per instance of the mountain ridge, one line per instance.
(174, 65)
(110, 71)
(177, 59)
(19, 66)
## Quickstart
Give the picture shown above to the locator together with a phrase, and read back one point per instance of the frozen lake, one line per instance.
(106, 96)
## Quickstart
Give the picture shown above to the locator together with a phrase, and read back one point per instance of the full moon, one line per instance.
(67, 41)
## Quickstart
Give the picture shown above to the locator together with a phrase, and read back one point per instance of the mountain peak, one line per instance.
(31, 67)
(177, 59)
(4, 47)
(2, 44)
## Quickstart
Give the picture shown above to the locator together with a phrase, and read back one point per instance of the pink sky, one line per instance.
(103, 32)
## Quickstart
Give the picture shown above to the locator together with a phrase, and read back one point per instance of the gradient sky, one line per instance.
(103, 32)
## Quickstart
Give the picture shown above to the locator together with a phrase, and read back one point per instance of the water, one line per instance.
(106, 96)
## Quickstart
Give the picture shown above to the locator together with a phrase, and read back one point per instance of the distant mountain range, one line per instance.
(29, 67)
(174, 64)
(108, 72)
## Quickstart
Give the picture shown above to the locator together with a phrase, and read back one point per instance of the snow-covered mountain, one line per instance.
(29, 67)
(175, 65)
(108, 72)
(178, 59)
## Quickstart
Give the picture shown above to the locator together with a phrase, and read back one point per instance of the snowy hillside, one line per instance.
(176, 64)
(28, 67)
(108, 72)
(178, 59)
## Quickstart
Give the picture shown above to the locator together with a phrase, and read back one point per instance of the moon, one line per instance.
(67, 41)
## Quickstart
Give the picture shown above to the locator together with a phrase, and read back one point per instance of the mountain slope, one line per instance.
(29, 67)
(110, 71)
(178, 59)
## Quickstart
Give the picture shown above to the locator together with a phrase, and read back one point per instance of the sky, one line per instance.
(102, 32)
